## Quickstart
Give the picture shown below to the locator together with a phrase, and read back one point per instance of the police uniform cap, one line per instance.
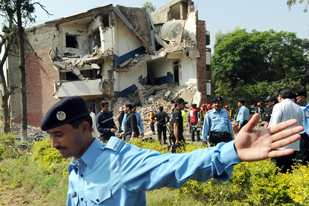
(217, 98)
(301, 93)
(270, 98)
(64, 112)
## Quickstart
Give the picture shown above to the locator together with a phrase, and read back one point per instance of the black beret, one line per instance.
(301, 93)
(180, 100)
(217, 98)
(64, 112)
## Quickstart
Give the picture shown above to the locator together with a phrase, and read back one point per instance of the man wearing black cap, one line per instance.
(303, 154)
(162, 118)
(177, 122)
(105, 122)
(269, 102)
(116, 173)
(286, 109)
(243, 114)
(217, 123)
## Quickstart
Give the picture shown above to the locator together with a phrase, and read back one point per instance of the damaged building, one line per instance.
(110, 52)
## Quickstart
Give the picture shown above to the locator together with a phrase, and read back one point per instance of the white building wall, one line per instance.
(125, 42)
(160, 67)
(190, 26)
(78, 30)
(188, 71)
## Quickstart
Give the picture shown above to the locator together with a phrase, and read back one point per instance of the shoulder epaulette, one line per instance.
(115, 144)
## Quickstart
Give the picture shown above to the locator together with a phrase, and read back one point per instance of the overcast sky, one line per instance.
(224, 15)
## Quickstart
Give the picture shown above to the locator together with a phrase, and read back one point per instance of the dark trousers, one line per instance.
(152, 127)
(193, 131)
(303, 154)
(243, 124)
(285, 163)
(182, 142)
(161, 129)
(215, 138)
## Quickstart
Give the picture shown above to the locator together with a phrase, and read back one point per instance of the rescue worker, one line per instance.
(162, 119)
(209, 107)
(151, 120)
(217, 124)
(252, 110)
(193, 122)
(202, 113)
(243, 114)
(226, 107)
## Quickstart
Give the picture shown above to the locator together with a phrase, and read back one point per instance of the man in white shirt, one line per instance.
(95, 132)
(286, 109)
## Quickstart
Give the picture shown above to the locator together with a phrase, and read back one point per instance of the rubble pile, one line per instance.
(31, 131)
(156, 96)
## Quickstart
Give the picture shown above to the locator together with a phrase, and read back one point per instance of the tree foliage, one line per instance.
(149, 6)
(253, 65)
(291, 3)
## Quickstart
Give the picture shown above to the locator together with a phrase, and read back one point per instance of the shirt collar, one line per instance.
(90, 155)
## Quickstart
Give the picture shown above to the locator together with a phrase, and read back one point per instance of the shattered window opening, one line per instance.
(95, 39)
(175, 12)
(105, 20)
(71, 41)
(176, 71)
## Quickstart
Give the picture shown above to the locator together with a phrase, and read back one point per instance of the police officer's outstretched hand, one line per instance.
(253, 145)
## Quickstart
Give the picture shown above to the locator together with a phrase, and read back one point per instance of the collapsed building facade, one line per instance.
(110, 52)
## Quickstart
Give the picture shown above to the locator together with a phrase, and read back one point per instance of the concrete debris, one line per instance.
(155, 96)
(31, 131)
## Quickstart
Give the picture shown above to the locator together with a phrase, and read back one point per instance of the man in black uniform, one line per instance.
(177, 122)
(162, 118)
(269, 102)
(105, 122)
(131, 128)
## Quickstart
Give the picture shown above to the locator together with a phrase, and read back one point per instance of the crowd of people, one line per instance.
(118, 173)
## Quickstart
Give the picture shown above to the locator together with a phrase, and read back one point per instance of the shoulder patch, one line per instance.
(115, 144)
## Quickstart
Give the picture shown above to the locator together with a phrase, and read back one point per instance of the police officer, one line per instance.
(303, 155)
(162, 118)
(193, 121)
(217, 123)
(116, 173)
(243, 114)
(269, 102)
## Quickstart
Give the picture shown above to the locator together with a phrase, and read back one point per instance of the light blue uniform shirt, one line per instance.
(117, 173)
(305, 118)
(139, 122)
(243, 114)
(217, 122)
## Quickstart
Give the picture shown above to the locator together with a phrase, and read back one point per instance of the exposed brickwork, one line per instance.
(201, 70)
(39, 82)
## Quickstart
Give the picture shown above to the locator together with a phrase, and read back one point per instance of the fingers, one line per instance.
(284, 142)
(286, 133)
(252, 123)
(279, 153)
(281, 126)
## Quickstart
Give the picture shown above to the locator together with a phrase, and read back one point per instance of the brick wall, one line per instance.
(201, 68)
(40, 75)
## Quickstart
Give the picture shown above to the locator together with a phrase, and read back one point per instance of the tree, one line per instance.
(291, 3)
(20, 13)
(246, 65)
(149, 6)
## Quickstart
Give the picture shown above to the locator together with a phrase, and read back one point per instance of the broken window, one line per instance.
(175, 12)
(105, 20)
(95, 39)
(71, 41)
(176, 71)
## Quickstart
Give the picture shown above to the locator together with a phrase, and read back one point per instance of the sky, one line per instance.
(220, 15)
